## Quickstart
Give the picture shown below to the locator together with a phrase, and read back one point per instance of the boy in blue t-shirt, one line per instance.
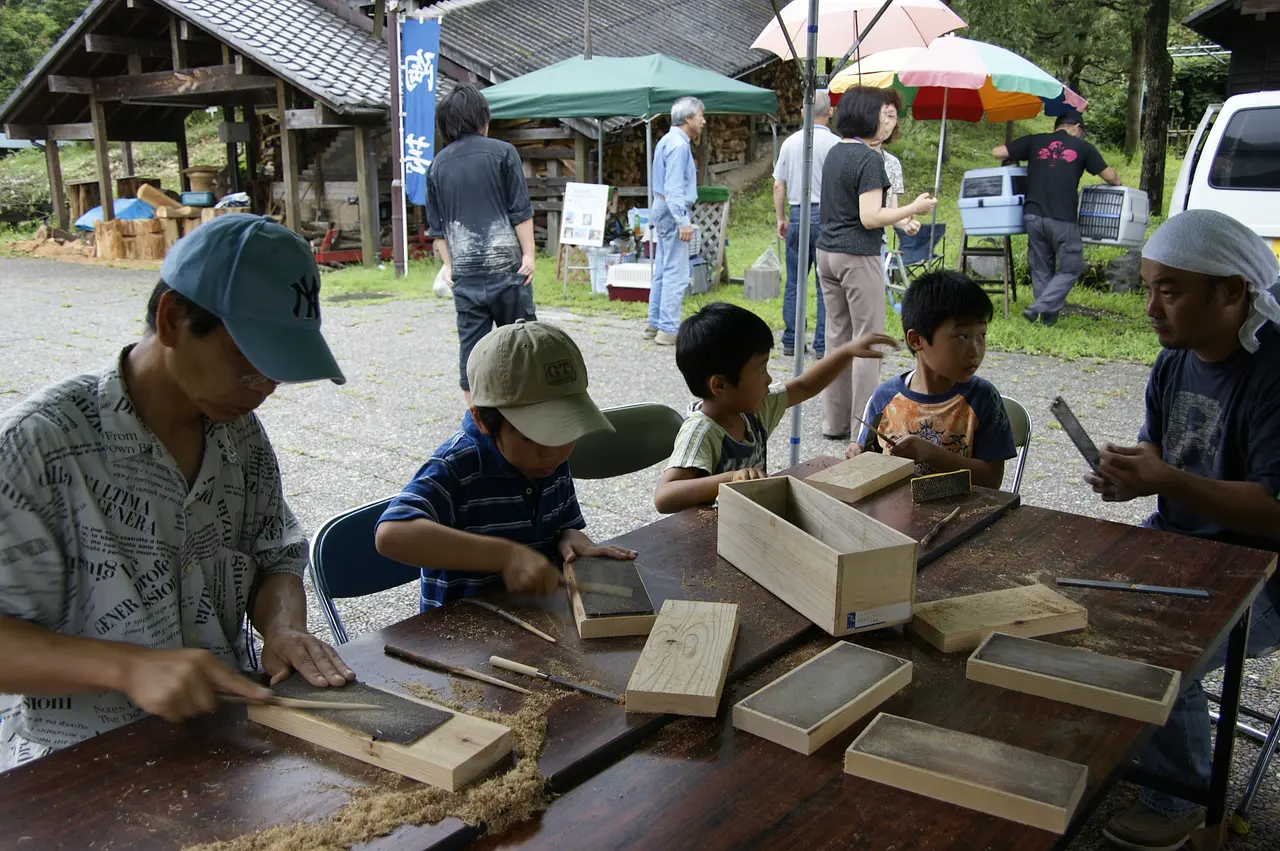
(495, 505)
(940, 414)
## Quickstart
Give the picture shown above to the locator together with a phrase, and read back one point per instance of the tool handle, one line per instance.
(507, 664)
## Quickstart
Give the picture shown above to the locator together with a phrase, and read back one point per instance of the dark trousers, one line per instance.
(486, 302)
(1055, 256)
(793, 278)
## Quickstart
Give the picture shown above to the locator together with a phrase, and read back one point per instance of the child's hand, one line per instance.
(864, 346)
(910, 447)
(528, 572)
(854, 450)
(575, 545)
(748, 475)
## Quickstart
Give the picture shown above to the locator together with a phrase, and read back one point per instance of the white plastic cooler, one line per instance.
(992, 199)
(1113, 215)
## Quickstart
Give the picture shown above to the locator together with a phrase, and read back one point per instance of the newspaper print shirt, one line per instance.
(101, 537)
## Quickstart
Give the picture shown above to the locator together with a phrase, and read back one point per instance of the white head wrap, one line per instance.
(1211, 243)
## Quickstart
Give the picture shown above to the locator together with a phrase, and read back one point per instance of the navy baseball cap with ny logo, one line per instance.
(261, 280)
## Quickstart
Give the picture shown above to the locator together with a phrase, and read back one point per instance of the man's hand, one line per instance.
(178, 684)
(915, 448)
(286, 650)
(865, 346)
(911, 226)
(923, 205)
(782, 228)
(448, 275)
(528, 572)
(854, 450)
(575, 545)
(686, 233)
(747, 475)
(1128, 472)
(526, 268)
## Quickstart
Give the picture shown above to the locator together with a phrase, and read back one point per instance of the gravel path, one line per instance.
(342, 446)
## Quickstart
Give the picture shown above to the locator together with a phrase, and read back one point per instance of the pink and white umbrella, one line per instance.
(906, 23)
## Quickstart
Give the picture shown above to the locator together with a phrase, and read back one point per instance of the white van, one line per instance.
(1233, 164)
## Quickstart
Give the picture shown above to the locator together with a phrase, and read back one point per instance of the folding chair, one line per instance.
(1268, 739)
(1020, 423)
(345, 563)
(642, 436)
(926, 251)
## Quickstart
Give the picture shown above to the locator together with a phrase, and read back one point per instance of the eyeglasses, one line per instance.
(250, 380)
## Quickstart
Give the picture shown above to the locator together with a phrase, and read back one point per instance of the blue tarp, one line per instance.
(125, 208)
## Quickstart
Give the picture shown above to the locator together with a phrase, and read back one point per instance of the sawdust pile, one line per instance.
(499, 802)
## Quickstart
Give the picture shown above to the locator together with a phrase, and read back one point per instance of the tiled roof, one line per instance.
(309, 46)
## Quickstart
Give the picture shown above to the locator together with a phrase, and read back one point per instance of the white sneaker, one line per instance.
(662, 338)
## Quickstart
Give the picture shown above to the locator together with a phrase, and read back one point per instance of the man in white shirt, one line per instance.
(141, 511)
(787, 177)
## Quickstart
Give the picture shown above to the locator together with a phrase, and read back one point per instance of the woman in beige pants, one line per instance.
(853, 219)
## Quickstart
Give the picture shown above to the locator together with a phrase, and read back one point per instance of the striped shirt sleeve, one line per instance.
(697, 445)
(431, 495)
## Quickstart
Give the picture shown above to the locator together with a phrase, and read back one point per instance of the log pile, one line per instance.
(784, 79)
(55, 244)
(129, 239)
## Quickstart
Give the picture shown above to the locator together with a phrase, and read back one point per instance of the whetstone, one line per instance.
(451, 755)
(808, 706)
(608, 615)
(969, 771)
(962, 623)
(861, 476)
(401, 720)
(684, 663)
(1076, 676)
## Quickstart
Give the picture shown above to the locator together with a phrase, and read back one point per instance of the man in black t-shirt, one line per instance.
(1055, 163)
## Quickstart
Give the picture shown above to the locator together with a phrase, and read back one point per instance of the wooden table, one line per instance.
(701, 784)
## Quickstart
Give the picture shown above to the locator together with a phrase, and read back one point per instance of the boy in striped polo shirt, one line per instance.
(496, 504)
(723, 353)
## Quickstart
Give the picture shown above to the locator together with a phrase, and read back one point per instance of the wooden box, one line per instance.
(814, 702)
(841, 569)
(962, 623)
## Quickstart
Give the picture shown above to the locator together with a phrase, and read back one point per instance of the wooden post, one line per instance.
(233, 151)
(99, 120)
(553, 217)
(289, 159)
(184, 180)
(366, 183)
(56, 191)
(579, 158)
(704, 156)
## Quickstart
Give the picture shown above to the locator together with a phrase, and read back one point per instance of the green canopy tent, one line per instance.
(641, 87)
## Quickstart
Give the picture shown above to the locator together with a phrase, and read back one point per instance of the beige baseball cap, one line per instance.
(533, 373)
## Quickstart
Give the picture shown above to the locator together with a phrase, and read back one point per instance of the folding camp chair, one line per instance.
(926, 251)
(1020, 423)
(642, 436)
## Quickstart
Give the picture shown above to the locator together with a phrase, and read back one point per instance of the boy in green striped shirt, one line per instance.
(723, 353)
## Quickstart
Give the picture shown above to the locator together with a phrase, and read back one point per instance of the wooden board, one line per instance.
(450, 756)
(859, 477)
(842, 569)
(807, 706)
(970, 771)
(962, 623)
(684, 663)
(602, 615)
(1076, 676)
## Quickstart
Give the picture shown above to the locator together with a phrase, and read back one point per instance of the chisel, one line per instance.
(1129, 586)
(529, 670)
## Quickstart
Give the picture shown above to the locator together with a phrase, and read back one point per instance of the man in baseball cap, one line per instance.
(496, 503)
(141, 510)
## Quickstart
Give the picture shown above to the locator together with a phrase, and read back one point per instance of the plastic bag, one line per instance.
(768, 260)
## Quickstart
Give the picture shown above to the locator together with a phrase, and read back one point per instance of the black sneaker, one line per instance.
(788, 351)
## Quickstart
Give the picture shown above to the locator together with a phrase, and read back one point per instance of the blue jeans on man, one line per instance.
(671, 271)
(789, 293)
(1181, 748)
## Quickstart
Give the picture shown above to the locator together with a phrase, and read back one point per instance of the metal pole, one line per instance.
(399, 232)
(773, 126)
(586, 29)
(937, 175)
(806, 182)
(648, 179)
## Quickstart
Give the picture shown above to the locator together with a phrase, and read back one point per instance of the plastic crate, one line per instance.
(629, 281)
(1113, 215)
(992, 200)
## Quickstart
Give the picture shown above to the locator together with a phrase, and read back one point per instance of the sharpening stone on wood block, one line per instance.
(611, 571)
(402, 721)
(940, 486)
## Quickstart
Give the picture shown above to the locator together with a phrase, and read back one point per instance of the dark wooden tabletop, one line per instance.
(701, 784)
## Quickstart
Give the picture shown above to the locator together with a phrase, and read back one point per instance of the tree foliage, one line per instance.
(28, 28)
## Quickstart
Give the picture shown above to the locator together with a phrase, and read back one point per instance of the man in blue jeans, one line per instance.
(675, 189)
(787, 177)
(1210, 451)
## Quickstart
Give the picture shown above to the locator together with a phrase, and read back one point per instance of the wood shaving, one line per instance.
(499, 802)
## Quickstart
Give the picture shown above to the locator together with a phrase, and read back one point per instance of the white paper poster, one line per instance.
(585, 207)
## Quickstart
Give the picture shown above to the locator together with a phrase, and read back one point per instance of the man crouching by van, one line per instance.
(1210, 451)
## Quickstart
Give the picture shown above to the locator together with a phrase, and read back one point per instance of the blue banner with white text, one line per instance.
(419, 46)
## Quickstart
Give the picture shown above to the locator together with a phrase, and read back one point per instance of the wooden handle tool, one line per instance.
(886, 438)
(510, 618)
(296, 703)
(418, 659)
(933, 533)
(529, 670)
